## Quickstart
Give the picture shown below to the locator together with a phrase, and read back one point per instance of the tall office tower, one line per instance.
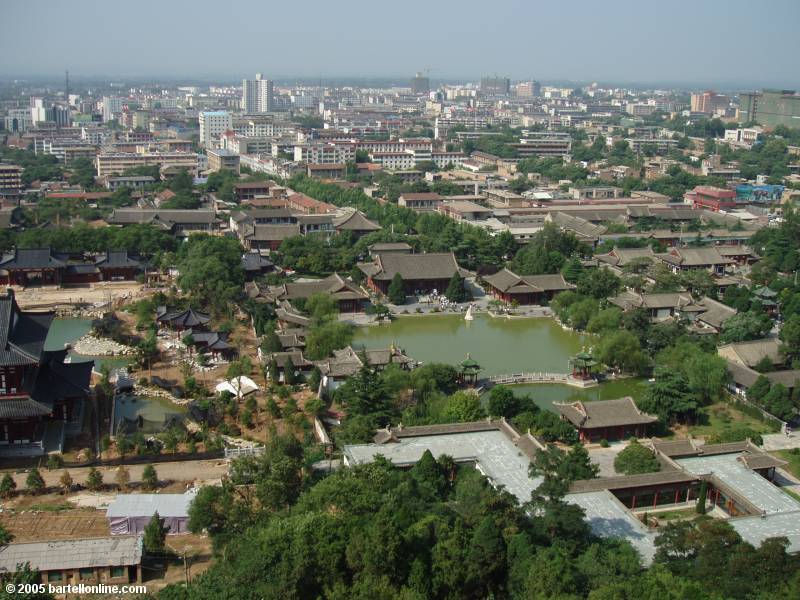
(257, 95)
(112, 108)
(420, 84)
(38, 111)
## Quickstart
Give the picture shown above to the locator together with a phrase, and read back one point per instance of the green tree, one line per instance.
(463, 407)
(669, 397)
(790, 336)
(271, 343)
(503, 402)
(573, 270)
(636, 459)
(7, 486)
(456, 292)
(743, 327)
(396, 291)
(34, 482)
(155, 535)
(149, 478)
(759, 389)
(94, 480)
(323, 339)
(6, 537)
(621, 349)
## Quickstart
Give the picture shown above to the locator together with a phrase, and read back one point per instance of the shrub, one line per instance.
(94, 481)
(34, 482)
(636, 459)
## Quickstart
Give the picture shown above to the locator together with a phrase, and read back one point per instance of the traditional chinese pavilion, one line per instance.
(468, 371)
(41, 397)
(582, 364)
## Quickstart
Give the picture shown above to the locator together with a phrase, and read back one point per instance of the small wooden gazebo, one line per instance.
(582, 364)
(468, 371)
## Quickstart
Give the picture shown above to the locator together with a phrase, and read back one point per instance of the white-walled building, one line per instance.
(257, 95)
(112, 108)
(213, 124)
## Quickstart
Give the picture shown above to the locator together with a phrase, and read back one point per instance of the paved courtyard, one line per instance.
(604, 458)
(781, 441)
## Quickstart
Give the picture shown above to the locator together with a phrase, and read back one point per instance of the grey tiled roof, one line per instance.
(413, 266)
(117, 259)
(508, 281)
(604, 413)
(630, 481)
(269, 233)
(751, 353)
(22, 334)
(32, 258)
(72, 554)
(355, 221)
(127, 216)
(22, 408)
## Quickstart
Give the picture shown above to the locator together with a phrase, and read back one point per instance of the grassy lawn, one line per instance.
(722, 417)
(794, 460)
(669, 515)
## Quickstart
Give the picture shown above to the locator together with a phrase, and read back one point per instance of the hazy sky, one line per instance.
(693, 41)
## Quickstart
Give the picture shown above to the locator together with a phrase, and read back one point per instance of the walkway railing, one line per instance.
(239, 452)
(527, 378)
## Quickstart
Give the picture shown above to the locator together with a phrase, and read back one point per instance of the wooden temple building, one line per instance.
(618, 419)
(509, 287)
(42, 398)
(421, 273)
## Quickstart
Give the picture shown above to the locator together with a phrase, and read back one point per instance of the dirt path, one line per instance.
(95, 293)
(199, 472)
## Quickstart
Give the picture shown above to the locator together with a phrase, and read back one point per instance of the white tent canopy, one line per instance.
(238, 386)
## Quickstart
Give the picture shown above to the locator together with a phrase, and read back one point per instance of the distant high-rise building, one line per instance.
(42, 113)
(420, 84)
(708, 102)
(257, 95)
(770, 108)
(528, 89)
(496, 86)
(112, 108)
(213, 124)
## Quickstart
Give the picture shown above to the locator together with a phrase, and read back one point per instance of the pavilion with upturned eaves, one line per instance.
(468, 371)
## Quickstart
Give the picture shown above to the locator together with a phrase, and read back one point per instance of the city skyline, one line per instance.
(621, 43)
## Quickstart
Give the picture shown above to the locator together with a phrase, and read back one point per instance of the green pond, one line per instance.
(501, 346)
(68, 331)
(545, 394)
(150, 412)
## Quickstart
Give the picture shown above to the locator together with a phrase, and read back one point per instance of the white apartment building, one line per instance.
(213, 124)
(744, 137)
(257, 95)
(94, 135)
(443, 160)
(324, 154)
(118, 162)
(401, 145)
(398, 161)
(112, 108)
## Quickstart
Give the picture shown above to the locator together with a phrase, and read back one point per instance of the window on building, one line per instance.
(86, 573)
(117, 572)
(55, 576)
